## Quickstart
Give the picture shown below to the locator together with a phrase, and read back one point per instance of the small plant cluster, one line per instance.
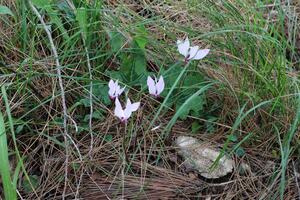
(155, 86)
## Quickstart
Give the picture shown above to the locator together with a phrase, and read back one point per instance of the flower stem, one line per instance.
(168, 96)
(124, 160)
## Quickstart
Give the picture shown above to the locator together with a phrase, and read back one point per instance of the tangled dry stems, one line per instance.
(165, 178)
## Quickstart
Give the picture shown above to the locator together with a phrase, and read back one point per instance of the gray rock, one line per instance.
(200, 156)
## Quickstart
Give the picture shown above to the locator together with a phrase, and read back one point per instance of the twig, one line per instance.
(63, 98)
(91, 99)
(19, 195)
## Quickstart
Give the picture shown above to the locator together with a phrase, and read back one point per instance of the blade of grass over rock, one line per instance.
(179, 112)
(237, 123)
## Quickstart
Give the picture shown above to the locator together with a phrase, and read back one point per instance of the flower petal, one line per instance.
(118, 109)
(112, 88)
(127, 111)
(128, 103)
(201, 54)
(160, 85)
(183, 47)
(121, 91)
(111, 83)
(130, 108)
(127, 114)
(151, 85)
(193, 52)
(134, 106)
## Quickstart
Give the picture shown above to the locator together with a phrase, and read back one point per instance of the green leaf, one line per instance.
(85, 102)
(133, 60)
(191, 84)
(100, 90)
(240, 151)
(139, 62)
(83, 127)
(41, 3)
(96, 115)
(186, 105)
(133, 63)
(58, 121)
(141, 41)
(126, 68)
(117, 41)
(171, 75)
(195, 127)
(86, 118)
(133, 68)
(108, 138)
(192, 80)
(75, 166)
(232, 138)
(53, 14)
(116, 75)
(81, 17)
(5, 11)
(34, 179)
(195, 105)
(19, 128)
(141, 37)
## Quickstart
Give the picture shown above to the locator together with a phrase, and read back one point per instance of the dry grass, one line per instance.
(165, 179)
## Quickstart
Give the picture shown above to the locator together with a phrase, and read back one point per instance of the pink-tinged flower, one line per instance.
(191, 52)
(124, 114)
(155, 86)
(114, 89)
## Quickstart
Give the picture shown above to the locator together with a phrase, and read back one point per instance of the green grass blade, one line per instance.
(11, 126)
(238, 121)
(5, 11)
(9, 190)
(287, 149)
(168, 96)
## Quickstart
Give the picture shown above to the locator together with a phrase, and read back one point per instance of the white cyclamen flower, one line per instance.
(191, 52)
(114, 89)
(155, 86)
(124, 114)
